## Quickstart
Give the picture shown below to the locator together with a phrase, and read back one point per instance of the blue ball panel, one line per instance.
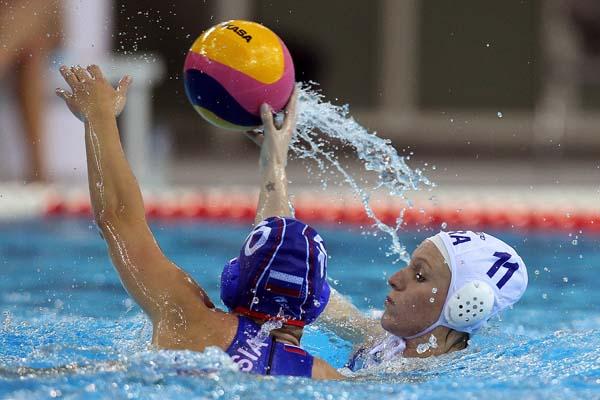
(204, 91)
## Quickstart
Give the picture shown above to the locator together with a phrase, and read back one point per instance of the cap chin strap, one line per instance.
(265, 317)
(466, 310)
(425, 331)
(437, 241)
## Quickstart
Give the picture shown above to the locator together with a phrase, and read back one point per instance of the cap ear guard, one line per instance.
(469, 305)
(230, 281)
(314, 313)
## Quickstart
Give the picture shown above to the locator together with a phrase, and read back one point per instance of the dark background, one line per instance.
(472, 55)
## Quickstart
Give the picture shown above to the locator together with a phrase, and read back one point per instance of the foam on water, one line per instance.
(65, 333)
(563, 364)
(324, 127)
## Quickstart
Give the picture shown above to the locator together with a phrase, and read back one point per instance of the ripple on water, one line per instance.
(98, 358)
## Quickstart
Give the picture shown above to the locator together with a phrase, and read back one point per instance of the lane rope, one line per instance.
(548, 210)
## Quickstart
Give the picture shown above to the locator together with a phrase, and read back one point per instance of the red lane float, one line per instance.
(223, 205)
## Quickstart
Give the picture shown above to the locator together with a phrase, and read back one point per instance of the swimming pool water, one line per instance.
(69, 330)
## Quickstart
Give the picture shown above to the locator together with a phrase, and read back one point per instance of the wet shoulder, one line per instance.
(217, 328)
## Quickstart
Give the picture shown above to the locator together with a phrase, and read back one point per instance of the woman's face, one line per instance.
(418, 292)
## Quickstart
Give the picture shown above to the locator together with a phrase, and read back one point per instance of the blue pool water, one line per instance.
(68, 329)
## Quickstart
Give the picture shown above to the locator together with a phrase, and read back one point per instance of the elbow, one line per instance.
(111, 218)
(105, 219)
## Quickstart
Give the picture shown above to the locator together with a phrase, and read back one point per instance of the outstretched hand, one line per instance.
(274, 141)
(91, 92)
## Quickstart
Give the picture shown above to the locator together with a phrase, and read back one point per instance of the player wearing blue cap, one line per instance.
(273, 288)
(454, 283)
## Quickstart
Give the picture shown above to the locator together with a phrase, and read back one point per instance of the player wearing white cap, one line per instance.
(455, 282)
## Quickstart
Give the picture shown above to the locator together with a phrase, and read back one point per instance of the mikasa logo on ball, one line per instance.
(239, 31)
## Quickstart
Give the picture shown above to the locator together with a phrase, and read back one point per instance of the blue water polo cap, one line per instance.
(281, 272)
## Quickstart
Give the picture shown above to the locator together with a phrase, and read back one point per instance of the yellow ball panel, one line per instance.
(239, 45)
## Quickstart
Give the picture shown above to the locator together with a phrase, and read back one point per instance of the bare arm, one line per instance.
(340, 315)
(273, 199)
(345, 320)
(165, 292)
(323, 371)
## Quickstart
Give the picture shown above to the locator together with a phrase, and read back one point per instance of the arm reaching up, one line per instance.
(174, 302)
(113, 188)
(273, 199)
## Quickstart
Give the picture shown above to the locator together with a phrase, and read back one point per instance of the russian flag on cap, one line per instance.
(284, 284)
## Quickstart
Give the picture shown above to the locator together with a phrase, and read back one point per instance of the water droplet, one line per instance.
(431, 300)
(255, 300)
(565, 279)
(422, 348)
(544, 296)
(574, 242)
(321, 126)
(434, 290)
(499, 114)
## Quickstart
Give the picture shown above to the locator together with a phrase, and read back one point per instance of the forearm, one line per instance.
(348, 322)
(163, 290)
(273, 199)
(114, 191)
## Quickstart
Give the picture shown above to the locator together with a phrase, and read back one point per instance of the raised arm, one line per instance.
(165, 292)
(273, 199)
(340, 315)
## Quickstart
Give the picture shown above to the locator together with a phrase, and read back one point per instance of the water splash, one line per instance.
(431, 344)
(322, 127)
(265, 331)
(266, 328)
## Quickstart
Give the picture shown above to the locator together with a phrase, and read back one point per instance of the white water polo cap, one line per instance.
(487, 277)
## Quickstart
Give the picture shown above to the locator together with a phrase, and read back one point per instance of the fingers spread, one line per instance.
(291, 109)
(266, 115)
(62, 93)
(81, 73)
(95, 71)
(124, 83)
(69, 76)
(293, 100)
